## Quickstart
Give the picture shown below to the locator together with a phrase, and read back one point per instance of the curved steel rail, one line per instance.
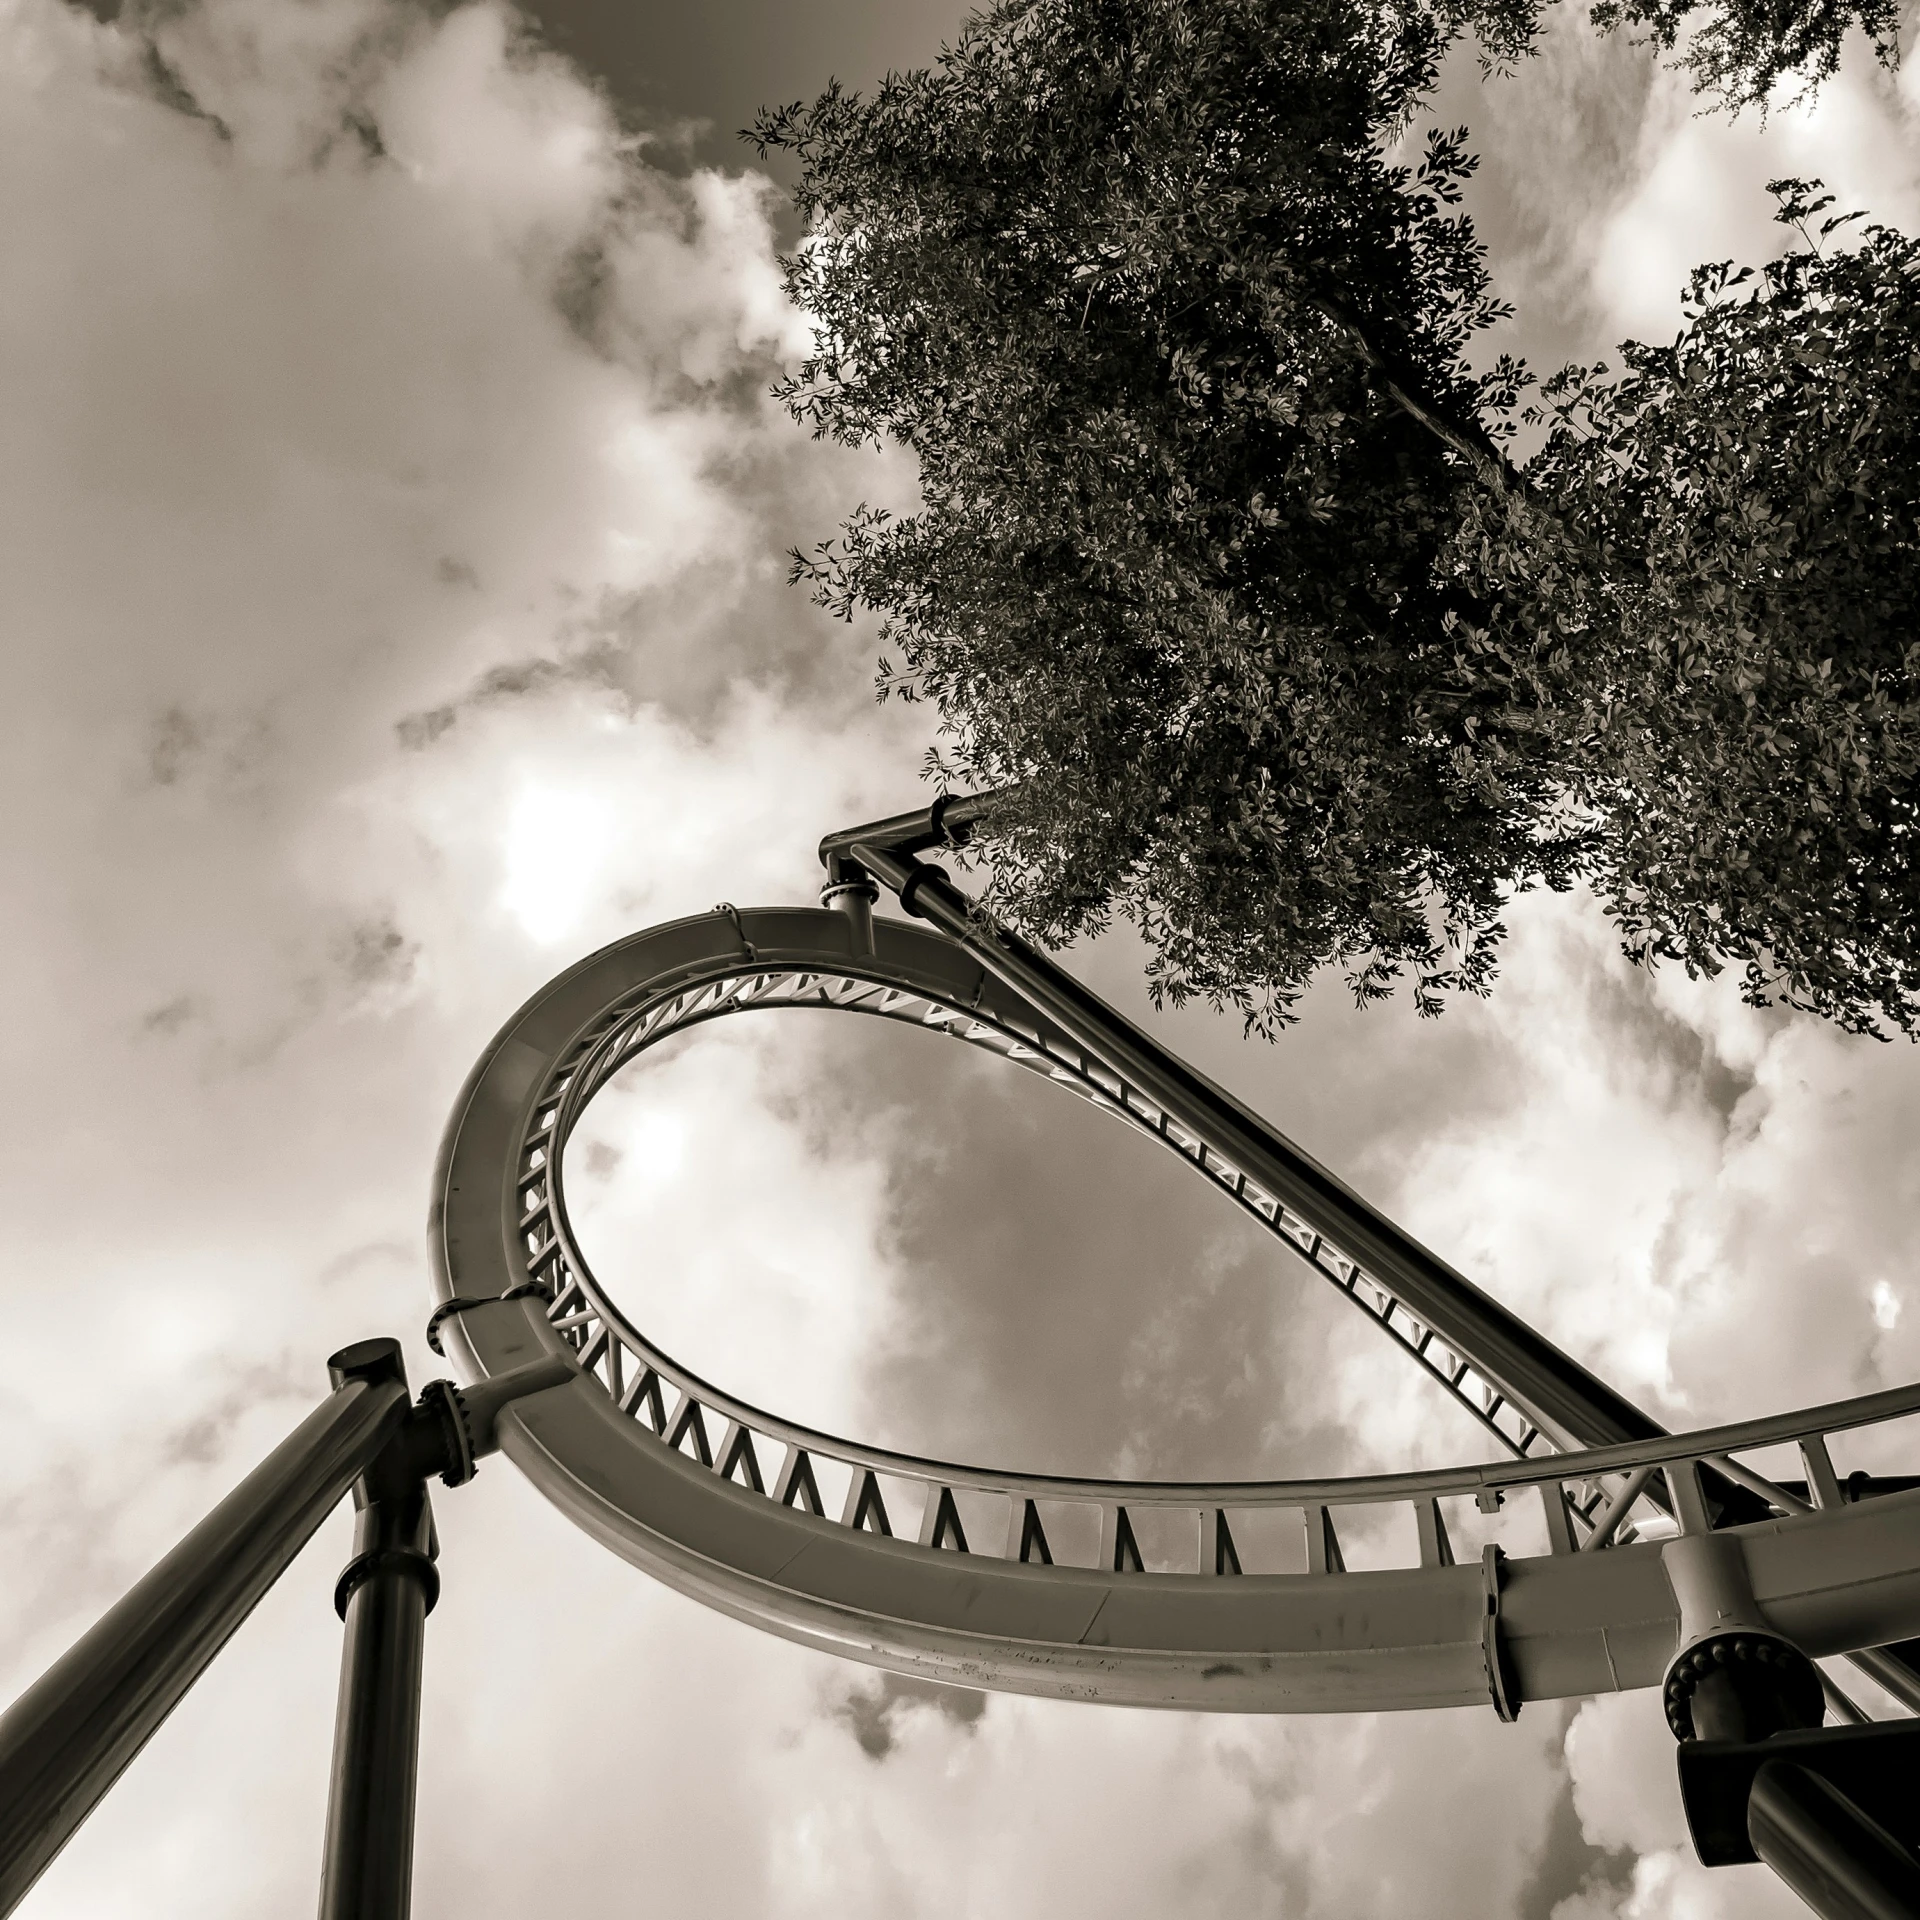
(794, 1530)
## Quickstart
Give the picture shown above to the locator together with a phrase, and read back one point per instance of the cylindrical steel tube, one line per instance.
(1573, 1407)
(1842, 1864)
(70, 1735)
(1895, 1669)
(946, 822)
(384, 1596)
(368, 1871)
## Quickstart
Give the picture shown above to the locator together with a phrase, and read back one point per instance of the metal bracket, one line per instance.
(1873, 1766)
(733, 913)
(937, 820)
(462, 1303)
(363, 1566)
(1503, 1684)
(921, 874)
(443, 1312)
(443, 1398)
(854, 899)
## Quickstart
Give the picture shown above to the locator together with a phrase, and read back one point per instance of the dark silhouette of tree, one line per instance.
(1220, 555)
(1752, 743)
(1743, 50)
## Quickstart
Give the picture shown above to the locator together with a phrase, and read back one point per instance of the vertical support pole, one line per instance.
(1323, 1544)
(849, 892)
(384, 1596)
(1218, 1551)
(1687, 1498)
(72, 1734)
(1553, 1498)
(1823, 1486)
(1436, 1550)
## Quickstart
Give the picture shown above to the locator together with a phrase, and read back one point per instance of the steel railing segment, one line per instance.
(907, 1561)
(1603, 1553)
(1050, 1055)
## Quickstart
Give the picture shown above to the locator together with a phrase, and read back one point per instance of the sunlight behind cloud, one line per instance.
(1700, 193)
(737, 1223)
(555, 848)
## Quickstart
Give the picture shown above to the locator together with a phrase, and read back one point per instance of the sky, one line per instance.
(394, 519)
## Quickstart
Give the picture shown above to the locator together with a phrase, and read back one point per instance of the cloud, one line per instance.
(1699, 194)
(393, 517)
(736, 1232)
(312, 428)
(1622, 1769)
(1560, 140)
(874, 1713)
(1607, 181)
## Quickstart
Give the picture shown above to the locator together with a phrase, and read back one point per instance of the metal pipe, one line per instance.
(367, 1872)
(1606, 1522)
(1786, 1498)
(948, 822)
(1841, 1863)
(1574, 1408)
(70, 1736)
(853, 901)
(384, 1596)
(1558, 1395)
(1893, 1670)
(1842, 1706)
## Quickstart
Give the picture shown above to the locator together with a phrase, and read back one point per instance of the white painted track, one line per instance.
(714, 1519)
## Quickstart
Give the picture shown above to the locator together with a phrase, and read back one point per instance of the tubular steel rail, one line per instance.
(967, 1574)
(1611, 1554)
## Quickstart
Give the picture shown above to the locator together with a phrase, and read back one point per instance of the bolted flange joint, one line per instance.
(850, 892)
(850, 895)
(442, 1403)
(1734, 1677)
(1742, 1685)
(462, 1303)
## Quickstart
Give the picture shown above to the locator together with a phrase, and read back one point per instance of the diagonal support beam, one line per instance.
(1559, 1396)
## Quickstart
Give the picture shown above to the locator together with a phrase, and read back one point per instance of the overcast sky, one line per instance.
(392, 521)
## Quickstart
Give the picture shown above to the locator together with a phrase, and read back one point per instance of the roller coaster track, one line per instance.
(1069, 1587)
(1611, 1554)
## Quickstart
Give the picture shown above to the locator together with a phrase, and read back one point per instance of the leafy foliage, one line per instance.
(1743, 50)
(1134, 282)
(1752, 743)
(1220, 558)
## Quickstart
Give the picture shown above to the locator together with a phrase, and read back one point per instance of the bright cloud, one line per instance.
(393, 522)
(555, 845)
(1700, 196)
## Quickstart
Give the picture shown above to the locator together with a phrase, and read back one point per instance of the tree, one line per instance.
(1751, 749)
(1743, 50)
(1137, 286)
(1219, 554)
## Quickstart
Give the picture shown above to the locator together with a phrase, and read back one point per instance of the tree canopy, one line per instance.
(1221, 559)
(1744, 50)
(1753, 745)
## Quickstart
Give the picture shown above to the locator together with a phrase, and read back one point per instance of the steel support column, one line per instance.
(72, 1734)
(384, 1596)
(1573, 1406)
(1844, 1865)
(66, 1740)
